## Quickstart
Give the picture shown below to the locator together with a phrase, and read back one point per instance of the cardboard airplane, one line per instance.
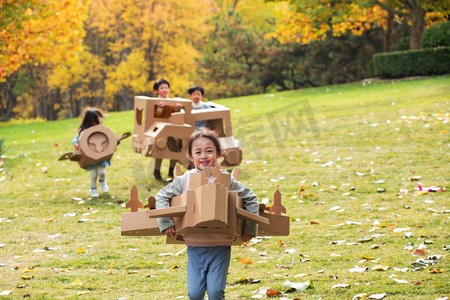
(163, 132)
(96, 143)
(206, 206)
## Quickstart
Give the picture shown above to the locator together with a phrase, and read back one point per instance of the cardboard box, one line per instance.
(207, 206)
(163, 132)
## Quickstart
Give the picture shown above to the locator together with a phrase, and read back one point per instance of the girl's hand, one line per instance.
(246, 237)
(170, 232)
(160, 104)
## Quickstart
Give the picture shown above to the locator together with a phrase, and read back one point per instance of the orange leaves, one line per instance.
(50, 35)
(419, 252)
(272, 293)
(312, 21)
(245, 261)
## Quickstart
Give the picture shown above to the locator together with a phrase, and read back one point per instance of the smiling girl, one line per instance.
(208, 254)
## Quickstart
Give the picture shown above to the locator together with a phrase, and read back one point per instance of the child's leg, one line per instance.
(102, 179)
(216, 279)
(197, 266)
(157, 172)
(172, 165)
(94, 175)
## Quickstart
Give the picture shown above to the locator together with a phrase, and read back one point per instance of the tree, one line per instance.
(310, 20)
(47, 32)
(35, 36)
(143, 40)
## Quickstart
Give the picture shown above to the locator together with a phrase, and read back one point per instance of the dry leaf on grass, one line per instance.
(400, 280)
(380, 268)
(341, 285)
(435, 271)
(359, 296)
(419, 252)
(299, 286)
(77, 282)
(377, 296)
(244, 261)
(272, 293)
(357, 269)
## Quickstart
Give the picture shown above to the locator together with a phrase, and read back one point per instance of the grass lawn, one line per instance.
(345, 159)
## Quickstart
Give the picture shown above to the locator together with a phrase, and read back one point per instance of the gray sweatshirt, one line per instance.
(176, 188)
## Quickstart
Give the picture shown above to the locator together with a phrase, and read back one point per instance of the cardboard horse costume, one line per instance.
(97, 143)
(206, 206)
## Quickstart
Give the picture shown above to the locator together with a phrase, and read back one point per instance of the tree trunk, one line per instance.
(388, 34)
(417, 17)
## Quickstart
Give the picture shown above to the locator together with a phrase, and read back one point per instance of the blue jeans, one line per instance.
(207, 269)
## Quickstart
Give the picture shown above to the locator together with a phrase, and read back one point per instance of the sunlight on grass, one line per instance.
(344, 158)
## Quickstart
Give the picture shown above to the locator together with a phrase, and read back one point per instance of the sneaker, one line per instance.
(104, 186)
(94, 192)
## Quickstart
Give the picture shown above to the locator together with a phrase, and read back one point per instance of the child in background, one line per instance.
(196, 94)
(92, 117)
(208, 254)
(161, 88)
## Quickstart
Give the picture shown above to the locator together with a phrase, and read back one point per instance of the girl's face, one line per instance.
(163, 91)
(204, 153)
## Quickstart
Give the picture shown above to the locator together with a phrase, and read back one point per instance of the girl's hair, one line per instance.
(91, 117)
(205, 133)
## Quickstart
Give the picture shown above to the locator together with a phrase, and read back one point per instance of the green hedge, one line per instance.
(437, 35)
(412, 62)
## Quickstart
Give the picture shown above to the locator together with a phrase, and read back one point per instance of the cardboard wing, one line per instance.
(206, 208)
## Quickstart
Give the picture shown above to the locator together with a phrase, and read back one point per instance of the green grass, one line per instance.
(292, 135)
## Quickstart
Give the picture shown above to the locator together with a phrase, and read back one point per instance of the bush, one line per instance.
(412, 62)
(436, 36)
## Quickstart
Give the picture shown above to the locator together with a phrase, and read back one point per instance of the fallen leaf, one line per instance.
(357, 269)
(111, 267)
(26, 277)
(400, 280)
(341, 285)
(299, 286)
(272, 293)
(244, 261)
(366, 257)
(402, 229)
(77, 282)
(281, 243)
(419, 252)
(377, 296)
(173, 268)
(359, 296)
(5, 293)
(83, 292)
(313, 222)
(435, 271)
(380, 268)
(80, 251)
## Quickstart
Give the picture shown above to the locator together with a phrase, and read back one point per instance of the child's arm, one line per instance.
(75, 142)
(163, 198)
(250, 204)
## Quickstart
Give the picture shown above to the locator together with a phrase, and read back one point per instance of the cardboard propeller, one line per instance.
(97, 143)
(206, 206)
